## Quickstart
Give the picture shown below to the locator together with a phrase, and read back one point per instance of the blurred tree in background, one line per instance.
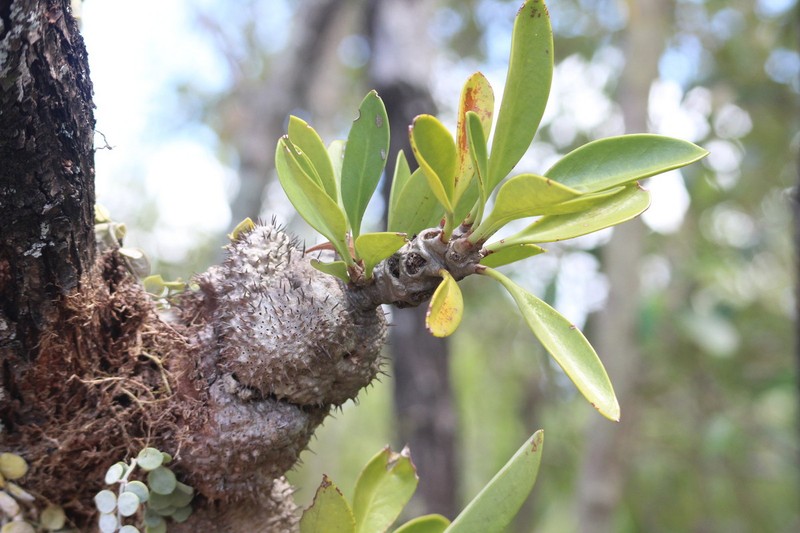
(691, 309)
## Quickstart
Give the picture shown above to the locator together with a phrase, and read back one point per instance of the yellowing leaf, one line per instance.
(241, 228)
(446, 307)
(435, 151)
(477, 97)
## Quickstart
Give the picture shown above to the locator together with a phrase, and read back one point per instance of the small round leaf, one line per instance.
(53, 517)
(161, 480)
(105, 501)
(152, 518)
(129, 529)
(138, 488)
(18, 527)
(115, 473)
(166, 458)
(128, 503)
(107, 523)
(182, 513)
(159, 528)
(12, 465)
(149, 459)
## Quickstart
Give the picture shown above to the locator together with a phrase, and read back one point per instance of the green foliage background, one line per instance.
(715, 446)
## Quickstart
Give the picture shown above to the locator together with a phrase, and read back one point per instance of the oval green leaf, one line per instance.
(308, 140)
(105, 501)
(364, 158)
(372, 248)
(417, 207)
(435, 152)
(12, 466)
(429, 523)
(310, 200)
(619, 208)
(161, 480)
(382, 490)
(402, 173)
(53, 517)
(128, 503)
(567, 345)
(115, 473)
(530, 72)
(334, 268)
(328, 512)
(138, 488)
(616, 161)
(500, 500)
(477, 97)
(510, 254)
(522, 196)
(149, 459)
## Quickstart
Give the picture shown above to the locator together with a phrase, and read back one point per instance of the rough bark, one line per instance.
(400, 68)
(604, 466)
(232, 381)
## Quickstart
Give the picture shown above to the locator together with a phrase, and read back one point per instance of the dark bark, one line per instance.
(47, 181)
(423, 403)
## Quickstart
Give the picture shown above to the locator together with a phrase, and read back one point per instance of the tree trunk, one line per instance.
(604, 466)
(232, 381)
(400, 71)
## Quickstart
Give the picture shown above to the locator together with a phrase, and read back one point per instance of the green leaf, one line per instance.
(310, 200)
(567, 345)
(12, 466)
(510, 254)
(530, 71)
(105, 501)
(477, 97)
(373, 248)
(334, 268)
(161, 480)
(401, 176)
(435, 152)
(382, 490)
(500, 500)
(429, 523)
(328, 512)
(522, 196)
(336, 157)
(115, 473)
(446, 307)
(53, 517)
(477, 147)
(149, 459)
(616, 209)
(417, 206)
(615, 161)
(138, 488)
(306, 139)
(128, 503)
(364, 158)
